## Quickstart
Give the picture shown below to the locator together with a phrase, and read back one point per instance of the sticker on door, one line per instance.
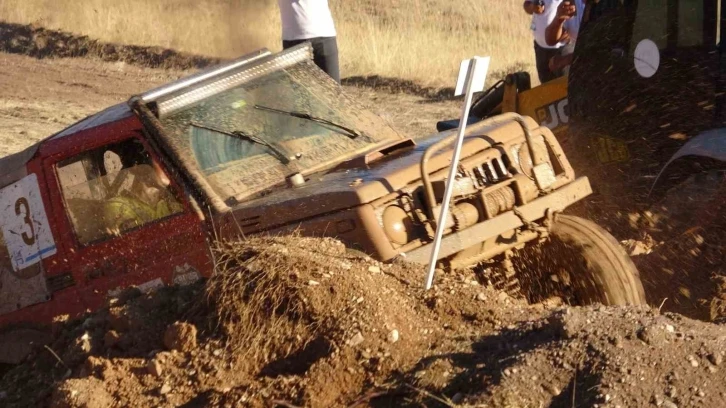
(25, 224)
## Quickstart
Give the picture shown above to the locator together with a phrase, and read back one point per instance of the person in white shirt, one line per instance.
(543, 12)
(311, 20)
(565, 28)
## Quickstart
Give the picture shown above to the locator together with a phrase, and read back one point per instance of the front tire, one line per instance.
(581, 263)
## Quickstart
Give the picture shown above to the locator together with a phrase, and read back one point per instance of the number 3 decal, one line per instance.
(24, 223)
(23, 202)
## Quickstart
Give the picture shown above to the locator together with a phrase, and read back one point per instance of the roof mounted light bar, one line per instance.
(221, 81)
(167, 89)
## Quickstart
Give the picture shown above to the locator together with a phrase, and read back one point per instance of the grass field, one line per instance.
(420, 40)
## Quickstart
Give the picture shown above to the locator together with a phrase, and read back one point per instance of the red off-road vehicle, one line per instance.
(135, 194)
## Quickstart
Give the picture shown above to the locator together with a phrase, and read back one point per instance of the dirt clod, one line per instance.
(154, 368)
(165, 389)
(111, 338)
(78, 393)
(181, 337)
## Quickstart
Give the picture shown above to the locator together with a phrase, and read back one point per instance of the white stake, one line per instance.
(472, 75)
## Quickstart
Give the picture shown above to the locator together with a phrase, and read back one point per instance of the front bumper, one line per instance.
(537, 209)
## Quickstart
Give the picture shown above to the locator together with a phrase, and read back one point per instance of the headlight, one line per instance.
(522, 159)
(397, 224)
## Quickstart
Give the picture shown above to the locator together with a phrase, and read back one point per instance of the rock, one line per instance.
(669, 404)
(651, 335)
(217, 352)
(481, 297)
(356, 340)
(154, 368)
(165, 389)
(313, 283)
(715, 359)
(393, 336)
(502, 296)
(672, 392)
(111, 338)
(374, 269)
(181, 337)
(693, 361)
(552, 389)
(670, 329)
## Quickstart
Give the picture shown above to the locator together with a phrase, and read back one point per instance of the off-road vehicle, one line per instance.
(136, 194)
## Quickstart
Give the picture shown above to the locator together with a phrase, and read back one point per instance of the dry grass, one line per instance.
(255, 302)
(420, 40)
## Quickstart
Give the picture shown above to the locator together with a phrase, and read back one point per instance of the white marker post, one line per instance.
(472, 75)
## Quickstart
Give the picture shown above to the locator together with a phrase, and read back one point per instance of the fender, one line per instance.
(710, 144)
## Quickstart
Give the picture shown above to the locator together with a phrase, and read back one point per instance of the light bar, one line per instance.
(167, 89)
(280, 61)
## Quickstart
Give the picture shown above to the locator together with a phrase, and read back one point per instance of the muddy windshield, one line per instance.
(247, 139)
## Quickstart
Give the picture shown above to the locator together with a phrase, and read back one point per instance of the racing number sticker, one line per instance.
(25, 223)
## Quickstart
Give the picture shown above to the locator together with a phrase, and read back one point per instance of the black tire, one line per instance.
(582, 264)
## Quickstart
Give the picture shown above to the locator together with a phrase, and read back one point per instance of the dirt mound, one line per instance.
(303, 322)
(39, 42)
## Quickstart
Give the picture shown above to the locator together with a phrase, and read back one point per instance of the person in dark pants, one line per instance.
(543, 12)
(311, 20)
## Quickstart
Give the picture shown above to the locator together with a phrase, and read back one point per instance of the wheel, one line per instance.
(581, 263)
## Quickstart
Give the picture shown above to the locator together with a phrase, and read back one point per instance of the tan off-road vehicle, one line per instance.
(136, 194)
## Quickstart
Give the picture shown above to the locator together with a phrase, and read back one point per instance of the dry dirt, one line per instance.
(323, 334)
(341, 330)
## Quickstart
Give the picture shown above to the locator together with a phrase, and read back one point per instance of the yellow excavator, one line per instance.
(643, 103)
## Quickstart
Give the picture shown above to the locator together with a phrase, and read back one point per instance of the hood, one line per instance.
(348, 186)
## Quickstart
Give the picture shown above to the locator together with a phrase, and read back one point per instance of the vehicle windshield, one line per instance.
(242, 149)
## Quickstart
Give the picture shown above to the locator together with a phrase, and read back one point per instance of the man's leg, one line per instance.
(325, 54)
(542, 59)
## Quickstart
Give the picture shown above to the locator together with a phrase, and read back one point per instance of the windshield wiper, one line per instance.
(281, 154)
(352, 133)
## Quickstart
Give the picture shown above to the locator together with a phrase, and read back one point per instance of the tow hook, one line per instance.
(543, 230)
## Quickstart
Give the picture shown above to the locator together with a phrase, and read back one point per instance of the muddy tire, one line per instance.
(582, 264)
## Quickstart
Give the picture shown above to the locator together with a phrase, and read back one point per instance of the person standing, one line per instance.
(311, 20)
(543, 12)
(565, 28)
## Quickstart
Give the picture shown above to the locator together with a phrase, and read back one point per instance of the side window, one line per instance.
(113, 189)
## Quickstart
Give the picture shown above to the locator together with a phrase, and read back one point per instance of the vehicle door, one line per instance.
(149, 248)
